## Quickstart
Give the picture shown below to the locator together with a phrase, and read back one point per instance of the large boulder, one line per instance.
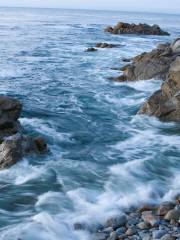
(13, 144)
(154, 64)
(10, 110)
(143, 29)
(165, 103)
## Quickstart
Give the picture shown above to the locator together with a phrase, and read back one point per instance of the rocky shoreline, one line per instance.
(14, 144)
(150, 222)
(163, 63)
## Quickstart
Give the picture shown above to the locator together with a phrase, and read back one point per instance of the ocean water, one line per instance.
(103, 158)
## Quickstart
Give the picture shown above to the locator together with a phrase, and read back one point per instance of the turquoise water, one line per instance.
(103, 157)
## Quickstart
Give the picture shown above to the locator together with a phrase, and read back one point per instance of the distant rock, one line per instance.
(13, 143)
(106, 45)
(142, 29)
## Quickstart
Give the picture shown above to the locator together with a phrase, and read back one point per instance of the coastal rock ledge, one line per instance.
(13, 143)
(154, 64)
(165, 103)
(141, 28)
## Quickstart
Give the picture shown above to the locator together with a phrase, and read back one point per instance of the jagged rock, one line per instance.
(165, 103)
(10, 110)
(154, 64)
(11, 151)
(143, 29)
(13, 144)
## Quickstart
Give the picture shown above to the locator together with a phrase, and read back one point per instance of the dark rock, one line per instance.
(120, 231)
(116, 222)
(106, 45)
(91, 49)
(126, 60)
(131, 231)
(10, 110)
(79, 226)
(142, 29)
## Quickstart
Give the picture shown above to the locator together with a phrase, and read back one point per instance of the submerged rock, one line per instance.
(14, 145)
(143, 29)
(117, 221)
(165, 103)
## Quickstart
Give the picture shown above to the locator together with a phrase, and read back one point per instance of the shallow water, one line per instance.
(103, 157)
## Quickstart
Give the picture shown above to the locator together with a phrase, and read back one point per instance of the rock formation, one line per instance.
(165, 103)
(13, 144)
(154, 64)
(143, 29)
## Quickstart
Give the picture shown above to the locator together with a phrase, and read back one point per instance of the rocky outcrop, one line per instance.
(143, 29)
(10, 110)
(13, 143)
(165, 103)
(154, 64)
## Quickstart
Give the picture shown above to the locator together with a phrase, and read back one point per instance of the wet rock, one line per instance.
(11, 151)
(143, 225)
(146, 208)
(165, 103)
(91, 49)
(168, 237)
(99, 236)
(173, 215)
(154, 64)
(10, 110)
(126, 60)
(120, 231)
(157, 234)
(116, 222)
(150, 218)
(131, 231)
(175, 46)
(108, 230)
(13, 144)
(113, 236)
(79, 226)
(164, 208)
(142, 29)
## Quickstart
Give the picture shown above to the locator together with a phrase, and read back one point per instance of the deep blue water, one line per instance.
(103, 157)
